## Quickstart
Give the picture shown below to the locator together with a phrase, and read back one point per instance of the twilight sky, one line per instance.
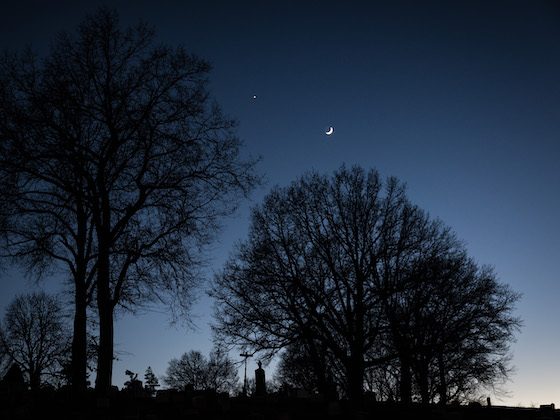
(460, 100)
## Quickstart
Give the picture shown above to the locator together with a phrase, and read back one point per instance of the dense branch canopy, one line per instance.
(346, 268)
(117, 129)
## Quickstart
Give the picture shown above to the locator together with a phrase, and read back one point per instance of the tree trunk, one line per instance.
(79, 338)
(442, 381)
(79, 343)
(356, 377)
(105, 355)
(357, 365)
(405, 389)
(102, 220)
(319, 366)
(34, 379)
(423, 381)
(105, 312)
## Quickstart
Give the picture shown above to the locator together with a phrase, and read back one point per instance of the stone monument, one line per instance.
(260, 381)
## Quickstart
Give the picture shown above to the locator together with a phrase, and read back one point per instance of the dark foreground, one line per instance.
(185, 406)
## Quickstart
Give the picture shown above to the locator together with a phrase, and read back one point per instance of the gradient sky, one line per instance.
(460, 100)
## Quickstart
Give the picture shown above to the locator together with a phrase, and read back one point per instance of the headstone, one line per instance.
(260, 381)
(546, 412)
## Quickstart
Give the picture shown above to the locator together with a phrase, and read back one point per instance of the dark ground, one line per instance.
(205, 405)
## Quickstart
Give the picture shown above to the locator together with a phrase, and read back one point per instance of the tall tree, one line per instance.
(156, 161)
(466, 328)
(44, 219)
(451, 325)
(340, 268)
(313, 268)
(34, 336)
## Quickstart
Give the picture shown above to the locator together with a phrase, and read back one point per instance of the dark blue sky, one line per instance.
(460, 100)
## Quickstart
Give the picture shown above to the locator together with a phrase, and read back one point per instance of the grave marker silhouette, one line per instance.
(260, 381)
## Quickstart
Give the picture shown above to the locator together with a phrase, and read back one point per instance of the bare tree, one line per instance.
(466, 345)
(155, 162)
(218, 372)
(33, 335)
(451, 325)
(344, 268)
(313, 269)
(44, 221)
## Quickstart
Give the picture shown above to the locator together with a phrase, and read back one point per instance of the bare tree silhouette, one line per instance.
(451, 324)
(344, 269)
(33, 335)
(150, 160)
(218, 372)
(44, 219)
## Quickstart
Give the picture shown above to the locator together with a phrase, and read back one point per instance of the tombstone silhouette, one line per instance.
(260, 381)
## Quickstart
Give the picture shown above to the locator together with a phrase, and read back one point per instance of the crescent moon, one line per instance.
(329, 131)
